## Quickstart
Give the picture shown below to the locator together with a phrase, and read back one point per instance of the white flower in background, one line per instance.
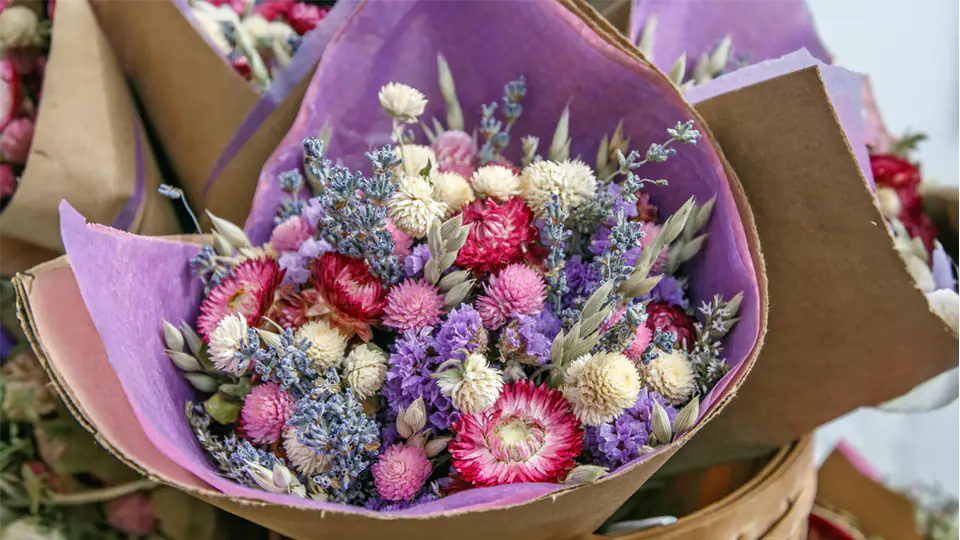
(304, 459)
(327, 344)
(225, 343)
(403, 103)
(889, 202)
(944, 303)
(572, 181)
(415, 158)
(496, 181)
(473, 386)
(21, 28)
(601, 386)
(670, 375)
(365, 370)
(412, 208)
(453, 190)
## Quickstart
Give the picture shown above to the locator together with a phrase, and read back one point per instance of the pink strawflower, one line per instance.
(402, 243)
(529, 435)
(10, 92)
(500, 234)
(517, 290)
(400, 472)
(305, 17)
(652, 230)
(641, 339)
(249, 290)
(413, 304)
(352, 295)
(265, 413)
(8, 181)
(16, 140)
(456, 152)
(289, 235)
(131, 514)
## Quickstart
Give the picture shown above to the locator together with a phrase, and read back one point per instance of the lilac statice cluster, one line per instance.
(409, 376)
(331, 421)
(622, 440)
(528, 338)
(413, 264)
(459, 335)
(427, 493)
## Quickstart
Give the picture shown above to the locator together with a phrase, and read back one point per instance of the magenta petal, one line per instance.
(760, 29)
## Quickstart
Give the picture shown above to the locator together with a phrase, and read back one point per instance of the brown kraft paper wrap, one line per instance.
(59, 327)
(88, 149)
(194, 101)
(848, 328)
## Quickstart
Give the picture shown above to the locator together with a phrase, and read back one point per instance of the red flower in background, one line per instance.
(273, 9)
(10, 96)
(500, 234)
(353, 295)
(305, 17)
(673, 319)
(898, 174)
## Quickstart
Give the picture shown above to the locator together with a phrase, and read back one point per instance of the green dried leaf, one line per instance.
(733, 306)
(640, 287)
(223, 409)
(584, 474)
(646, 39)
(590, 324)
(449, 92)
(720, 56)
(661, 424)
(184, 361)
(451, 226)
(448, 281)
(431, 270)
(573, 336)
(704, 213)
(687, 417)
(458, 294)
(425, 171)
(431, 135)
(221, 246)
(447, 260)
(603, 157)
(597, 300)
(583, 346)
(172, 337)
(193, 339)
(556, 349)
(237, 390)
(453, 245)
(201, 382)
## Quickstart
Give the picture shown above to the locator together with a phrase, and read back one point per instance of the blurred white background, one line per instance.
(909, 49)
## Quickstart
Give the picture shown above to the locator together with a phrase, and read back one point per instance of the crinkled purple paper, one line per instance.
(943, 277)
(760, 29)
(129, 283)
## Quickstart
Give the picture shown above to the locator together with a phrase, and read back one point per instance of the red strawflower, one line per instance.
(305, 17)
(242, 66)
(904, 178)
(273, 9)
(529, 435)
(10, 96)
(673, 319)
(500, 234)
(354, 297)
(248, 291)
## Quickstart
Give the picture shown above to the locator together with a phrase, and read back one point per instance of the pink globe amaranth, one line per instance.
(305, 17)
(529, 435)
(456, 152)
(402, 243)
(289, 235)
(516, 290)
(131, 514)
(8, 181)
(265, 413)
(16, 140)
(400, 472)
(412, 305)
(10, 92)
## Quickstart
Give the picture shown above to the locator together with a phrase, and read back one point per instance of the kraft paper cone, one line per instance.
(103, 347)
(88, 148)
(216, 129)
(848, 328)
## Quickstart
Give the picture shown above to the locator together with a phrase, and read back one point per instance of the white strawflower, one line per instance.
(946, 305)
(265, 33)
(670, 375)
(365, 369)
(403, 103)
(412, 208)
(601, 386)
(453, 190)
(889, 202)
(570, 180)
(415, 158)
(303, 458)
(473, 387)
(327, 344)
(496, 181)
(21, 28)
(225, 343)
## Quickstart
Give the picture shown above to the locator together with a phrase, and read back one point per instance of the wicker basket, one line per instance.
(772, 505)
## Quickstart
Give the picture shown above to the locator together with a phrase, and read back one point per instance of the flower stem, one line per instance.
(101, 495)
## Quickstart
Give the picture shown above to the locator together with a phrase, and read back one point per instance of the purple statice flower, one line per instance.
(313, 248)
(600, 241)
(295, 266)
(618, 442)
(671, 291)
(629, 209)
(528, 338)
(413, 263)
(582, 277)
(409, 373)
(427, 493)
(462, 331)
(312, 212)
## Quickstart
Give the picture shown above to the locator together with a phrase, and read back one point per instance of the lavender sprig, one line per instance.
(496, 134)
(719, 317)
(683, 133)
(287, 365)
(556, 239)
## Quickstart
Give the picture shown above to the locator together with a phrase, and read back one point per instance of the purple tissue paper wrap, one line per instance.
(129, 283)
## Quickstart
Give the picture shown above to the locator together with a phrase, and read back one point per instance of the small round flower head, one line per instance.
(304, 459)
(496, 181)
(225, 342)
(453, 190)
(248, 291)
(289, 235)
(572, 181)
(400, 472)
(413, 304)
(327, 344)
(670, 375)
(365, 369)
(641, 338)
(456, 152)
(21, 28)
(473, 386)
(265, 413)
(517, 290)
(412, 208)
(401, 102)
(402, 244)
(600, 386)
(16, 139)
(415, 158)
